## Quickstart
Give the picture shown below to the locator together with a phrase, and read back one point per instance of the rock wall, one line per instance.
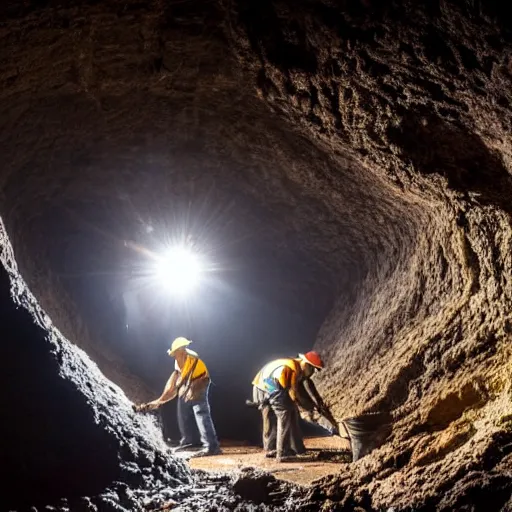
(419, 94)
(68, 431)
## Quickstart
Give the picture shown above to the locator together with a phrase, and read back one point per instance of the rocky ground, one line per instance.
(244, 490)
(324, 457)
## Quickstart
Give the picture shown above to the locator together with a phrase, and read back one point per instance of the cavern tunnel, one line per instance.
(344, 167)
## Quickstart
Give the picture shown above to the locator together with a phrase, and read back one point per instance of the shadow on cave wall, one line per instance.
(435, 146)
(50, 439)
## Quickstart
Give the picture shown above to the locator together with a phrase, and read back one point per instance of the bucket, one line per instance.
(367, 432)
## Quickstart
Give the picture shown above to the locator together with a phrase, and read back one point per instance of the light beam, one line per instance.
(178, 271)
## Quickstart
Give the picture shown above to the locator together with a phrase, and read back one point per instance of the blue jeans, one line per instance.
(200, 409)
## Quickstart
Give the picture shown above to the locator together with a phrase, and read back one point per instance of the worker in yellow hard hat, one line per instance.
(279, 390)
(190, 382)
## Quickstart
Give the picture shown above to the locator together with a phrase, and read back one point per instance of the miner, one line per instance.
(190, 382)
(279, 389)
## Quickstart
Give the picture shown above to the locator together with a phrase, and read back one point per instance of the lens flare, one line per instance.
(179, 271)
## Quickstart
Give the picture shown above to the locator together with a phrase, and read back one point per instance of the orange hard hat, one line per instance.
(313, 358)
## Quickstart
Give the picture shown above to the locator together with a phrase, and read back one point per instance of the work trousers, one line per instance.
(281, 431)
(200, 411)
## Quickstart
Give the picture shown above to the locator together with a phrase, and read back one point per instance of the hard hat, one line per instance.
(312, 358)
(178, 343)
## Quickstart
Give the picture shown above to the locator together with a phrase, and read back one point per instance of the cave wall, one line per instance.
(422, 94)
(68, 431)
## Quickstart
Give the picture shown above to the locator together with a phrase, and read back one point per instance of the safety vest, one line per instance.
(275, 372)
(198, 369)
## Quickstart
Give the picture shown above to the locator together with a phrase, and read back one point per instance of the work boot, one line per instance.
(286, 458)
(207, 452)
(186, 447)
(288, 454)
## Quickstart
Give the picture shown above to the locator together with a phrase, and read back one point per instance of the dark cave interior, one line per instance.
(345, 166)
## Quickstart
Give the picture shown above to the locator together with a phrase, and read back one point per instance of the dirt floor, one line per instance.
(324, 456)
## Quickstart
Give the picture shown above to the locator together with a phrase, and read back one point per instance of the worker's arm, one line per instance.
(168, 394)
(303, 398)
(321, 406)
(296, 390)
(318, 402)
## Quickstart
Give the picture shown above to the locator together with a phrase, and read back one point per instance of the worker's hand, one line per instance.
(145, 407)
(139, 407)
(329, 425)
(334, 431)
(307, 415)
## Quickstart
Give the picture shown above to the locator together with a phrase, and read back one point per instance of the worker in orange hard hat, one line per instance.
(279, 390)
(189, 382)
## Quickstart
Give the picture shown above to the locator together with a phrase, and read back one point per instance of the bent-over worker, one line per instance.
(279, 389)
(190, 382)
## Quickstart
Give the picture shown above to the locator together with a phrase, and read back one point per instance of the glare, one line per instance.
(179, 271)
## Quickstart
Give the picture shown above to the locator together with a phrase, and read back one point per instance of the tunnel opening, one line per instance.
(278, 273)
(277, 276)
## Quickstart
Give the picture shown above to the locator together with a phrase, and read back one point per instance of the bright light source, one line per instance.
(179, 271)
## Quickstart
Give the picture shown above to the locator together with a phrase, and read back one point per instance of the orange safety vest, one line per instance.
(198, 369)
(285, 371)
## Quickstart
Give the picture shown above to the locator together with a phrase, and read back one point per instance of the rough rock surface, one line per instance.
(367, 142)
(419, 93)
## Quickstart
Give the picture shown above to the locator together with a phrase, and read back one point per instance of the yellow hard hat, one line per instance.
(178, 343)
